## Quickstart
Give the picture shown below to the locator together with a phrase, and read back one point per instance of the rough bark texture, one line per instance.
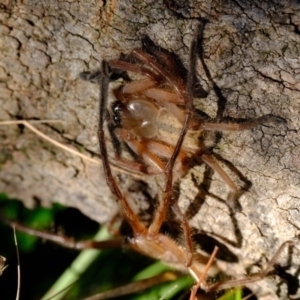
(251, 49)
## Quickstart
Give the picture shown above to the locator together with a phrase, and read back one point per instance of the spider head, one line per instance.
(117, 109)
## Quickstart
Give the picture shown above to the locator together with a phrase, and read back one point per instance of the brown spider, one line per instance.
(145, 110)
(151, 113)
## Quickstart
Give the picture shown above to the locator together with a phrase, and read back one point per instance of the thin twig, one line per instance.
(27, 124)
(19, 267)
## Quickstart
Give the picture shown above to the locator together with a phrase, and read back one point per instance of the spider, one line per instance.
(142, 115)
(152, 112)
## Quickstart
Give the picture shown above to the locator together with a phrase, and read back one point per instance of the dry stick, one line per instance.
(202, 277)
(248, 297)
(47, 138)
(134, 287)
(58, 144)
(18, 268)
(62, 240)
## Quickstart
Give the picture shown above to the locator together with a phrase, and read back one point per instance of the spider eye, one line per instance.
(117, 108)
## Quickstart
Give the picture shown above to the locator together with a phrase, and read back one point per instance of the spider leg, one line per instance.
(149, 60)
(256, 277)
(150, 151)
(162, 95)
(266, 119)
(125, 208)
(164, 58)
(232, 199)
(126, 66)
(138, 86)
(188, 95)
(141, 149)
(63, 240)
(165, 150)
(167, 193)
(187, 233)
(131, 166)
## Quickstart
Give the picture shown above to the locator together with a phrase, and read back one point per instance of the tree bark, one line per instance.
(251, 50)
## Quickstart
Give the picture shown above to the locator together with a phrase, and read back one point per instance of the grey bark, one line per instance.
(251, 50)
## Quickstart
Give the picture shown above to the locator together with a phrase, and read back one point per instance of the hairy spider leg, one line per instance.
(124, 206)
(187, 95)
(127, 66)
(252, 278)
